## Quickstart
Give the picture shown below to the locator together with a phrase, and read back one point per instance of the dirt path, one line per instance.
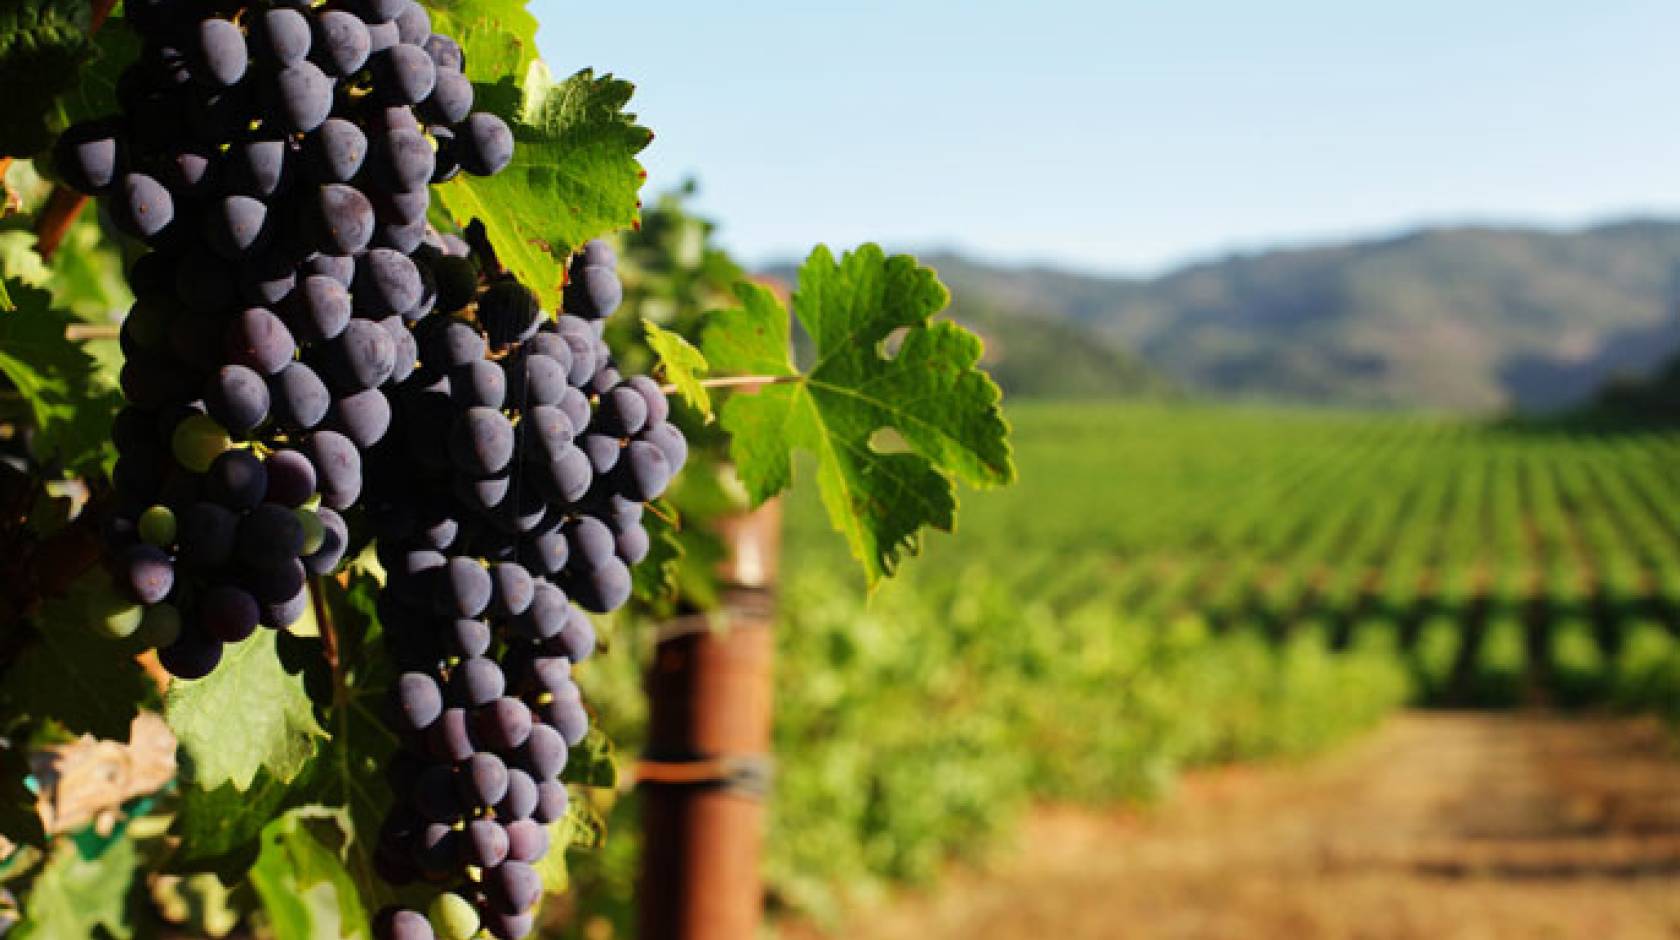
(1438, 826)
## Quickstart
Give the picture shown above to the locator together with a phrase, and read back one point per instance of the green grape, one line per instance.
(122, 624)
(157, 526)
(314, 533)
(453, 917)
(159, 627)
(198, 441)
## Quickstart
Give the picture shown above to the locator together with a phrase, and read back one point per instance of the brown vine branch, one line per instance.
(56, 217)
(740, 381)
(328, 627)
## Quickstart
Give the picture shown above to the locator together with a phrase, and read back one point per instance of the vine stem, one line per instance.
(329, 629)
(740, 381)
(65, 204)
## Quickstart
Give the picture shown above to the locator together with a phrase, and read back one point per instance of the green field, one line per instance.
(1504, 563)
(1170, 586)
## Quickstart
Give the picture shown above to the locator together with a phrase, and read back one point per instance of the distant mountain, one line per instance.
(1469, 319)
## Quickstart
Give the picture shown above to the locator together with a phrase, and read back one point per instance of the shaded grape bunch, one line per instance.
(277, 160)
(507, 502)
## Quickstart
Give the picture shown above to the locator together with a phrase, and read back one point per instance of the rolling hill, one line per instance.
(1467, 319)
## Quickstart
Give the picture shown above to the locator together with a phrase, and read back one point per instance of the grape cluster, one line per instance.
(276, 159)
(508, 501)
(308, 362)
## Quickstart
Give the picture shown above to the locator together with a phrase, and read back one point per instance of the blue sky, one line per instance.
(1131, 136)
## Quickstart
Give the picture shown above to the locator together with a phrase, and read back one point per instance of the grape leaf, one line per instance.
(248, 716)
(71, 400)
(591, 762)
(41, 44)
(301, 878)
(684, 366)
(74, 675)
(929, 393)
(574, 174)
(219, 828)
(77, 896)
(498, 37)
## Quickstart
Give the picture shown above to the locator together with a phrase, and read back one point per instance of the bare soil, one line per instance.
(1438, 825)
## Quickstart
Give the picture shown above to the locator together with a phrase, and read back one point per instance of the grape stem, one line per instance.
(740, 381)
(329, 629)
(65, 204)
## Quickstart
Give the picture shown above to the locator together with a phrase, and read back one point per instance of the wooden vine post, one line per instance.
(707, 770)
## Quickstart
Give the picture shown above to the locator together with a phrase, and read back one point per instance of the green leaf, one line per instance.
(301, 878)
(248, 716)
(42, 42)
(73, 674)
(71, 402)
(75, 896)
(929, 398)
(591, 762)
(219, 829)
(498, 37)
(654, 578)
(684, 366)
(574, 174)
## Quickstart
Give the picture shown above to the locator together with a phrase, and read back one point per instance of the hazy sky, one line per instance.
(1128, 136)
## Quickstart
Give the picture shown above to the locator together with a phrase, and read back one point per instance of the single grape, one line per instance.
(257, 339)
(484, 842)
(402, 924)
(521, 797)
(220, 53)
(335, 540)
(527, 841)
(476, 681)
(300, 96)
(512, 887)
(446, 52)
(544, 753)
(280, 37)
(451, 99)
(453, 917)
(633, 545)
(551, 802)
(643, 472)
(405, 354)
(484, 145)
(340, 268)
(157, 526)
(502, 725)
(260, 167)
(88, 155)
(509, 926)
(480, 383)
(670, 442)
(267, 279)
(341, 42)
(335, 151)
(419, 700)
(363, 356)
(464, 590)
(512, 590)
(237, 479)
(363, 417)
(237, 398)
(193, 655)
(321, 308)
(229, 613)
(282, 614)
(291, 478)
(125, 621)
(142, 206)
(536, 380)
(448, 739)
(565, 713)
(338, 468)
(198, 441)
(546, 616)
(482, 781)
(387, 282)
(403, 75)
(622, 412)
(601, 589)
(481, 443)
(414, 25)
(341, 219)
(401, 160)
(593, 292)
(314, 531)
